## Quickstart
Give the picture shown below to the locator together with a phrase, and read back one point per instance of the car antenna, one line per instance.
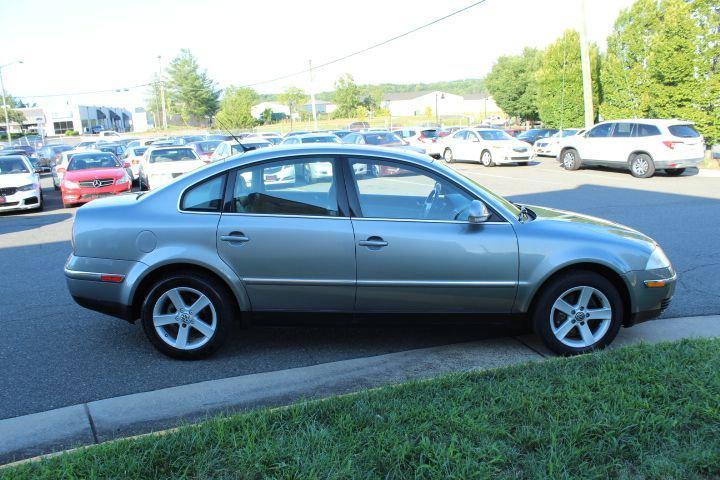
(245, 149)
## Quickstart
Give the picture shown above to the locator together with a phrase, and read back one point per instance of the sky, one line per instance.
(75, 46)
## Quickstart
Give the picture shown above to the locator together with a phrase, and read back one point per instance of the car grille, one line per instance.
(9, 204)
(520, 149)
(103, 182)
(541, 144)
(665, 304)
(6, 192)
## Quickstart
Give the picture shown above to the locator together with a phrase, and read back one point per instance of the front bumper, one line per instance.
(25, 200)
(84, 277)
(649, 302)
(84, 195)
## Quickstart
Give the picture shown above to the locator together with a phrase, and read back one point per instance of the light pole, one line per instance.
(5, 107)
(437, 115)
(162, 92)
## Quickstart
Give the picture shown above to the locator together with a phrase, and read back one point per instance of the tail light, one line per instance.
(670, 144)
(126, 165)
(60, 170)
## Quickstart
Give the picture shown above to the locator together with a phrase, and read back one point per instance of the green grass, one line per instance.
(648, 411)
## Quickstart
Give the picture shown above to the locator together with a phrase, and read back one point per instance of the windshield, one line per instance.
(209, 146)
(430, 133)
(494, 135)
(529, 133)
(567, 133)
(323, 139)
(137, 151)
(10, 165)
(248, 146)
(172, 155)
(382, 138)
(93, 160)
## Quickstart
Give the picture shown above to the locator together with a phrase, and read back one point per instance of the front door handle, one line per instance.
(235, 237)
(373, 243)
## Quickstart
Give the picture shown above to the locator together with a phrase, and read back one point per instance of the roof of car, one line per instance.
(656, 121)
(315, 134)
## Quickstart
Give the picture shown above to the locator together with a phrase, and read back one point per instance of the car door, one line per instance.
(472, 147)
(457, 144)
(622, 143)
(416, 251)
(290, 242)
(594, 147)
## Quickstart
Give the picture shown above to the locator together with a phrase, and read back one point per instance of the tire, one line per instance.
(571, 159)
(375, 170)
(55, 187)
(448, 156)
(41, 203)
(549, 321)
(215, 317)
(674, 172)
(486, 159)
(522, 164)
(642, 166)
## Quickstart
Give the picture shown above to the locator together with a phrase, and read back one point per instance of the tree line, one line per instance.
(662, 61)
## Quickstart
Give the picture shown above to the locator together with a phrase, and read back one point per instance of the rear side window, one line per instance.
(683, 131)
(623, 130)
(205, 197)
(644, 130)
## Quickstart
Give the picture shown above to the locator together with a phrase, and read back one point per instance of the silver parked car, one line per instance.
(387, 231)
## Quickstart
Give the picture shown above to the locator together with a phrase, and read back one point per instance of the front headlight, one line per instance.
(28, 187)
(70, 185)
(657, 259)
(125, 179)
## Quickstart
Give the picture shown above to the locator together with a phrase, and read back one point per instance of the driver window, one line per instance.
(398, 191)
(472, 137)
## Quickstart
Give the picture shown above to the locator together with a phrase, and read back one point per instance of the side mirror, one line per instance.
(38, 170)
(478, 212)
(126, 164)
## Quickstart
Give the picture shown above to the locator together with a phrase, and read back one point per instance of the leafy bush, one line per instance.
(71, 133)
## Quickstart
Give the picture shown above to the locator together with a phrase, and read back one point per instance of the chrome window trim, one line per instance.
(284, 215)
(461, 222)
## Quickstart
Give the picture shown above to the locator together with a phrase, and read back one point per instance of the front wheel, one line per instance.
(448, 155)
(187, 315)
(578, 313)
(642, 166)
(674, 172)
(486, 159)
(571, 159)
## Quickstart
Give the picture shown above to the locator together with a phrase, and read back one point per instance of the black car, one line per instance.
(535, 134)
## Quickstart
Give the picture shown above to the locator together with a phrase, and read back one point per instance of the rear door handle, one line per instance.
(373, 242)
(235, 237)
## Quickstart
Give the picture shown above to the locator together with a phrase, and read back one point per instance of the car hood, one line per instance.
(16, 179)
(593, 225)
(93, 173)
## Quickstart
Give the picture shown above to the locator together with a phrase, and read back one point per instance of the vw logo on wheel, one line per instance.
(96, 183)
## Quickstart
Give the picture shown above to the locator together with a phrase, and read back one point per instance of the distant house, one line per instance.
(321, 106)
(417, 103)
(277, 108)
(81, 118)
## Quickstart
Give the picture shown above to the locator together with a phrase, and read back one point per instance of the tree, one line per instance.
(192, 93)
(294, 98)
(13, 102)
(559, 82)
(347, 97)
(154, 102)
(266, 116)
(513, 86)
(627, 86)
(13, 115)
(235, 108)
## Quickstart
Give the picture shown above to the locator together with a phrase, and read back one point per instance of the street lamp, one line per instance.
(5, 107)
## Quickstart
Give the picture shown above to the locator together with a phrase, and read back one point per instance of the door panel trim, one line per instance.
(437, 283)
(297, 281)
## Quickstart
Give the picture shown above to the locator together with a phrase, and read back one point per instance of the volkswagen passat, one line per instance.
(229, 240)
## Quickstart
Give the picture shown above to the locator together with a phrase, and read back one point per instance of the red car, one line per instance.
(92, 175)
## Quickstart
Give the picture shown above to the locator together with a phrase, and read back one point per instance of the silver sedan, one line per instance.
(385, 232)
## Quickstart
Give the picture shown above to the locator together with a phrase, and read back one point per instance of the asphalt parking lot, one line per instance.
(55, 353)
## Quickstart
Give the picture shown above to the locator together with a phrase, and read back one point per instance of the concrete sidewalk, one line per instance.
(103, 420)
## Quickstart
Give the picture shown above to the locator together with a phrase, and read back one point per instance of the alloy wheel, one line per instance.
(640, 166)
(569, 160)
(486, 158)
(581, 316)
(184, 318)
(448, 155)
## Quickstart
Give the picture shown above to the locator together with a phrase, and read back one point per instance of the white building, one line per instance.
(257, 110)
(407, 104)
(321, 106)
(142, 120)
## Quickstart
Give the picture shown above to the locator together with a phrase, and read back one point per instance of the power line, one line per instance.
(371, 47)
(110, 90)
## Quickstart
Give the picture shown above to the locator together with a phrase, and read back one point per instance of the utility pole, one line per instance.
(5, 107)
(312, 97)
(585, 61)
(162, 92)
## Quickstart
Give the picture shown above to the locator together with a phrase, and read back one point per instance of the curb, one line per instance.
(108, 419)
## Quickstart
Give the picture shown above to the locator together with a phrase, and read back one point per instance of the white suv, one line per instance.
(642, 146)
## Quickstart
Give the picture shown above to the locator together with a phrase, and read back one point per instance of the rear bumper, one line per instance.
(83, 276)
(685, 163)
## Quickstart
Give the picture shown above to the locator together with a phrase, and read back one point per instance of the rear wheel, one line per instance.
(674, 172)
(486, 159)
(578, 313)
(187, 315)
(571, 159)
(448, 155)
(642, 166)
